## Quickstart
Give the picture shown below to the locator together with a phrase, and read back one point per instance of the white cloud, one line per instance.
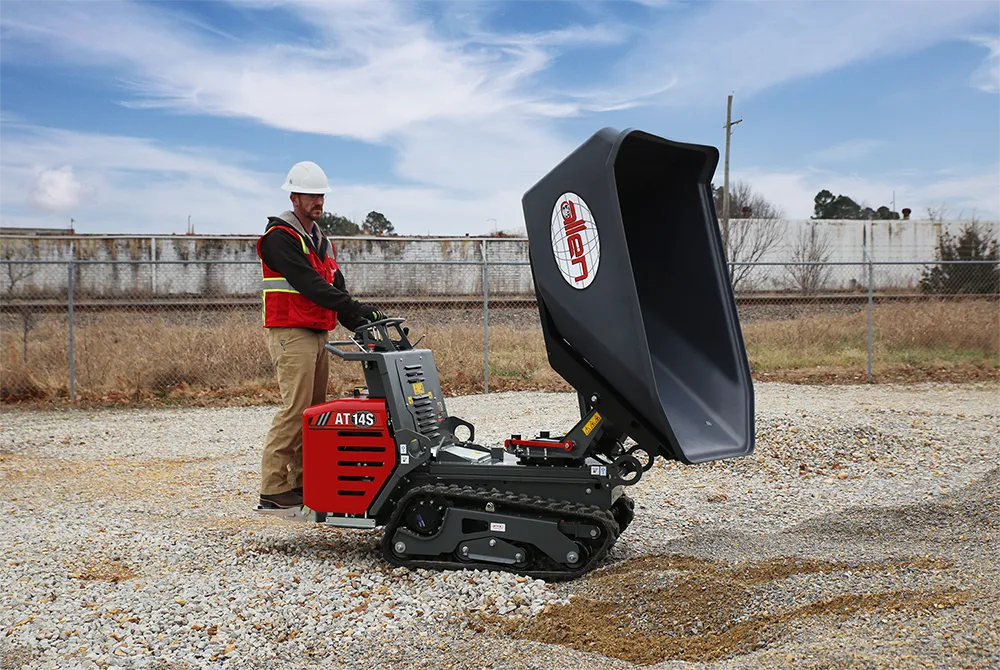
(458, 109)
(472, 158)
(795, 190)
(656, 4)
(372, 70)
(987, 77)
(377, 69)
(136, 185)
(966, 190)
(748, 47)
(55, 190)
(460, 103)
(846, 151)
(123, 184)
(973, 192)
(26, 146)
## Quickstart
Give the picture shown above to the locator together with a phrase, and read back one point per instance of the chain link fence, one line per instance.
(134, 319)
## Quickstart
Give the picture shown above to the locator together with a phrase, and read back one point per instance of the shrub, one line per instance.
(972, 244)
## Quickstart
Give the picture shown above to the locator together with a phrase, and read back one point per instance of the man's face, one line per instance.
(309, 204)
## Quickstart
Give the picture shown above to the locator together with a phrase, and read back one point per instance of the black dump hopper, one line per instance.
(634, 296)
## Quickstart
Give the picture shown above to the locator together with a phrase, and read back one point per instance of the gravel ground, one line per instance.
(861, 533)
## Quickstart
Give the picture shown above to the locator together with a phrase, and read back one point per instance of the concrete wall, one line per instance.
(228, 266)
(911, 242)
(116, 266)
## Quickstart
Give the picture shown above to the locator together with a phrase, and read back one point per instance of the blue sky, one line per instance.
(132, 116)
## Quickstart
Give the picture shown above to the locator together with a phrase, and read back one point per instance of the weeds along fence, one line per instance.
(78, 327)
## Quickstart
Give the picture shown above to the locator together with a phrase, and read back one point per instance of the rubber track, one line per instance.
(557, 510)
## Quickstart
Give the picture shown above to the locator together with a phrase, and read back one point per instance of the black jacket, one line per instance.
(282, 252)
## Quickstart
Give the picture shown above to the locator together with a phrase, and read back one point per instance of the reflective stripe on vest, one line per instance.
(279, 284)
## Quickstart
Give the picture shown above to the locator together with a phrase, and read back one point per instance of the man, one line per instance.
(304, 298)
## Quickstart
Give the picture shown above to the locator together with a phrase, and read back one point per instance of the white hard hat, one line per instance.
(306, 177)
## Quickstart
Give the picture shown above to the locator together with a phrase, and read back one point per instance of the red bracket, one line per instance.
(566, 445)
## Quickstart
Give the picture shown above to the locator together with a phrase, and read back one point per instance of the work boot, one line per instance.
(281, 500)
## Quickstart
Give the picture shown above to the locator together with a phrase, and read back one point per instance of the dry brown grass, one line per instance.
(939, 324)
(45, 372)
(222, 358)
(18, 384)
(122, 353)
(934, 340)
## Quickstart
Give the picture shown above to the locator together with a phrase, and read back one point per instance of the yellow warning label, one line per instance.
(588, 427)
(409, 399)
(418, 388)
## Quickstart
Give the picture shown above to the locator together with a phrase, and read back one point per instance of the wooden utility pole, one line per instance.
(725, 187)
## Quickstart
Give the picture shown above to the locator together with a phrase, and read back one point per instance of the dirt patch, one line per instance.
(657, 608)
(141, 479)
(882, 373)
(105, 571)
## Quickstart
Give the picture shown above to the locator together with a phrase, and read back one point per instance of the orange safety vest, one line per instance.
(286, 307)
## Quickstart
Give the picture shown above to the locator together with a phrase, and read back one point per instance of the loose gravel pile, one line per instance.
(862, 533)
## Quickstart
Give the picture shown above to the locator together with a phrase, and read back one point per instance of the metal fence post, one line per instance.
(486, 322)
(868, 258)
(69, 302)
(152, 258)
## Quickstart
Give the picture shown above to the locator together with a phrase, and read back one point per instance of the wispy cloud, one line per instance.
(126, 184)
(966, 189)
(846, 151)
(377, 69)
(748, 47)
(471, 111)
(657, 4)
(797, 189)
(460, 109)
(113, 183)
(974, 191)
(987, 76)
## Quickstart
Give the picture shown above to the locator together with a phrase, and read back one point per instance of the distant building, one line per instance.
(7, 230)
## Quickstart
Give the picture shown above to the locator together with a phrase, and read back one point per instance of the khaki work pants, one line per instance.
(302, 366)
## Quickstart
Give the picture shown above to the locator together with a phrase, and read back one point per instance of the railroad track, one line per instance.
(227, 303)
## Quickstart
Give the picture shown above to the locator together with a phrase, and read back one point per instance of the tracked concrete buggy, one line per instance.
(638, 315)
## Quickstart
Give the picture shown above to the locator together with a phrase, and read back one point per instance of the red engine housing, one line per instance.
(347, 454)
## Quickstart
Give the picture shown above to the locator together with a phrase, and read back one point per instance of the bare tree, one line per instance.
(754, 226)
(813, 247)
(19, 272)
(937, 213)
